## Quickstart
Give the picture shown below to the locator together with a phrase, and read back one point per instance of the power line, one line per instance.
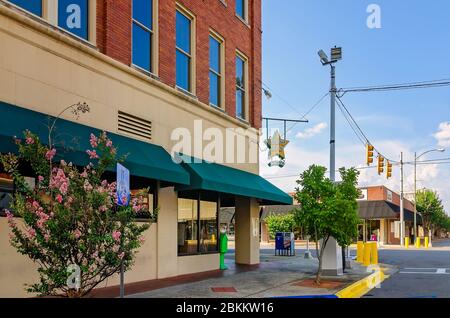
(350, 124)
(309, 111)
(401, 86)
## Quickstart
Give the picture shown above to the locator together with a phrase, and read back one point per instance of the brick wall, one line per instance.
(114, 40)
(380, 193)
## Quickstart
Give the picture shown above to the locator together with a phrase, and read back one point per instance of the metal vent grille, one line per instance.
(135, 126)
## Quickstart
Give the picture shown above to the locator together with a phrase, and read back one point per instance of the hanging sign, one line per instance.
(123, 185)
(276, 145)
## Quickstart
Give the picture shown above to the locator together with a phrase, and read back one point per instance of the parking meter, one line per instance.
(223, 248)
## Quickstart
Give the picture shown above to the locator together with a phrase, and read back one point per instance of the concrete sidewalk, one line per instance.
(275, 277)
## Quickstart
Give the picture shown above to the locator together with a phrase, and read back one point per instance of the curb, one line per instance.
(363, 286)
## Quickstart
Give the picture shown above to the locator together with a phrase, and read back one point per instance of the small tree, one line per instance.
(328, 209)
(430, 207)
(70, 218)
(280, 223)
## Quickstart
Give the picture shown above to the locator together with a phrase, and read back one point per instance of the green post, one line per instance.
(223, 248)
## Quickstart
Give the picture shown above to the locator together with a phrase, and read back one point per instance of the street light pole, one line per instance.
(416, 157)
(402, 228)
(333, 124)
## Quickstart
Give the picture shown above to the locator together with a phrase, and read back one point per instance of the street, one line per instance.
(421, 273)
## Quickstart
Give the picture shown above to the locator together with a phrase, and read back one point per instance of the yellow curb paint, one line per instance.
(363, 286)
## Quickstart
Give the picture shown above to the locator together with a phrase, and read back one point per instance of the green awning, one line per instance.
(214, 177)
(72, 140)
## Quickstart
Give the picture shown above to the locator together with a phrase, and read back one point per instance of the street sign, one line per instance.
(123, 185)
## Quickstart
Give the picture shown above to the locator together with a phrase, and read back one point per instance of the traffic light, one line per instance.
(380, 164)
(369, 154)
(388, 169)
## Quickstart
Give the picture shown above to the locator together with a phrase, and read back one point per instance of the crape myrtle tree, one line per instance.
(70, 218)
(327, 209)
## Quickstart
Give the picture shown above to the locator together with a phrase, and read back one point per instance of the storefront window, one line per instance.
(194, 214)
(6, 191)
(208, 227)
(187, 226)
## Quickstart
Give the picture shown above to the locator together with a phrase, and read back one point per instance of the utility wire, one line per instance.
(401, 86)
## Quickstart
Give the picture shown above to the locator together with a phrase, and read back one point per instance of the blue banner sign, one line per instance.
(123, 185)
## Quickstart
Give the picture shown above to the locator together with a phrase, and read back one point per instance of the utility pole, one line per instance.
(415, 198)
(402, 227)
(330, 253)
(333, 124)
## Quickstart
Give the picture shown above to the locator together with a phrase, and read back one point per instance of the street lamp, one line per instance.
(416, 157)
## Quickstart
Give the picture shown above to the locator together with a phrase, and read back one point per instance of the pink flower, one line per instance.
(59, 198)
(115, 248)
(77, 234)
(31, 233)
(113, 151)
(46, 237)
(50, 154)
(141, 239)
(29, 141)
(92, 154)
(60, 181)
(84, 174)
(116, 235)
(109, 143)
(93, 141)
(40, 178)
(121, 255)
(103, 208)
(87, 186)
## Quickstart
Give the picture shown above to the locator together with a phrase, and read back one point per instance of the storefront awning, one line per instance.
(214, 177)
(373, 210)
(72, 140)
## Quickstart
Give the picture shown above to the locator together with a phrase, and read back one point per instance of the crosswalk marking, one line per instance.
(426, 271)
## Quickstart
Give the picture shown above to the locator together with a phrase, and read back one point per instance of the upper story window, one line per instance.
(142, 34)
(73, 16)
(184, 51)
(33, 6)
(215, 71)
(241, 9)
(241, 87)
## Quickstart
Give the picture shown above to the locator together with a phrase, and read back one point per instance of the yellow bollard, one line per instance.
(374, 254)
(360, 252)
(406, 242)
(426, 242)
(417, 243)
(367, 252)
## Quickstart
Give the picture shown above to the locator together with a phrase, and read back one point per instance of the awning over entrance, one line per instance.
(374, 210)
(219, 178)
(72, 140)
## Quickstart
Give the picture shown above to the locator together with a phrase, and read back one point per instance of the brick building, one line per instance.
(379, 208)
(145, 68)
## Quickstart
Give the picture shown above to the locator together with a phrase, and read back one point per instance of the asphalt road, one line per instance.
(421, 273)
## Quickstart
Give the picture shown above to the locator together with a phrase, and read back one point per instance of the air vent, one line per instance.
(135, 126)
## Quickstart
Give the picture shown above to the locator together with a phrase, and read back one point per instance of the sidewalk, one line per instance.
(274, 277)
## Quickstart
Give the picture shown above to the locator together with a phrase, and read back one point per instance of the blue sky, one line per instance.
(412, 45)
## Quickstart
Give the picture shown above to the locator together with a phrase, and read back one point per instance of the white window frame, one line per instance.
(192, 66)
(221, 76)
(245, 89)
(245, 18)
(154, 41)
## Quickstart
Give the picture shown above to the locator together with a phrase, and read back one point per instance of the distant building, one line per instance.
(379, 208)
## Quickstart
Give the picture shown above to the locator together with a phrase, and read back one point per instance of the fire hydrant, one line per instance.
(223, 249)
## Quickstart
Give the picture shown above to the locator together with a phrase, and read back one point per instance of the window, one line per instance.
(241, 9)
(183, 51)
(6, 191)
(197, 226)
(187, 226)
(215, 71)
(33, 6)
(142, 34)
(73, 16)
(241, 87)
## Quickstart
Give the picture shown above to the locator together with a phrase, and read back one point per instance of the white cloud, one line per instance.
(443, 134)
(311, 132)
